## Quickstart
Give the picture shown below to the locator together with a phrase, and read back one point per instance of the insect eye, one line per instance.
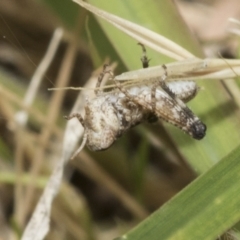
(199, 130)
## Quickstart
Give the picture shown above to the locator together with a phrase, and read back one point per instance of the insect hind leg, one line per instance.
(101, 76)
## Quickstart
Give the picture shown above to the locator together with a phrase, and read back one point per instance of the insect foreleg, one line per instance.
(145, 60)
(76, 115)
(100, 78)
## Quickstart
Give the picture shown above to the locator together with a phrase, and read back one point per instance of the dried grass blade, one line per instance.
(38, 226)
(193, 69)
(147, 37)
(36, 80)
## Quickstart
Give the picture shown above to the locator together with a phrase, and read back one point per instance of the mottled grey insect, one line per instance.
(111, 114)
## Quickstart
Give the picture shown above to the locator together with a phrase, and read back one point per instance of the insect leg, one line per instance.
(163, 84)
(175, 97)
(75, 115)
(139, 102)
(153, 116)
(145, 60)
(118, 85)
(145, 63)
(80, 119)
(153, 96)
(100, 78)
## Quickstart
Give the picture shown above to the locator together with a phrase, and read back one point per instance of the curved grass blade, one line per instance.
(203, 210)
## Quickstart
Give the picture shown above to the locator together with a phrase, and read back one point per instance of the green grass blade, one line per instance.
(204, 210)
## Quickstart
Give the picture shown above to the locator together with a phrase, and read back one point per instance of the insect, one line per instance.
(110, 114)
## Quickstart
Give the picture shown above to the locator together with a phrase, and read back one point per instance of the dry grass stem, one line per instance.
(21, 120)
(54, 106)
(21, 117)
(147, 37)
(191, 69)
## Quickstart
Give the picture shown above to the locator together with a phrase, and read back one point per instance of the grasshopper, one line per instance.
(110, 114)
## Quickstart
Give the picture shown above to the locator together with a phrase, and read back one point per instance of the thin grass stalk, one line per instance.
(54, 106)
(21, 118)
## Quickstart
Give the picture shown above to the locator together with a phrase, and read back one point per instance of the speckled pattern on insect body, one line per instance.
(111, 114)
